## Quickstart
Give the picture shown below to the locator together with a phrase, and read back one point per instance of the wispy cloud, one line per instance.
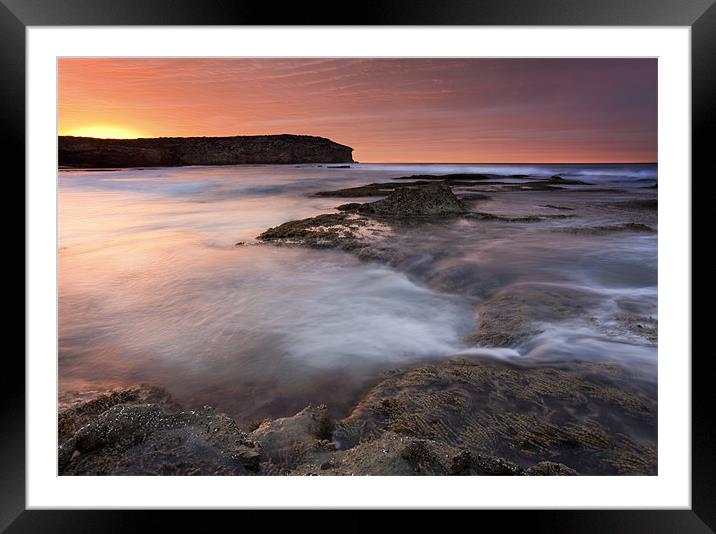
(387, 109)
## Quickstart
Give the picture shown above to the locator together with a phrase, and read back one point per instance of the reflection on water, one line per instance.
(152, 288)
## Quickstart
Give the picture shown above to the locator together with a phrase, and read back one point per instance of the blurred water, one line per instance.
(152, 288)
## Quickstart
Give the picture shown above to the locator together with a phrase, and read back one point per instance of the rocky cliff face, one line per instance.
(175, 151)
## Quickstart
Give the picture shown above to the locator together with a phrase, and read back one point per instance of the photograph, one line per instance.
(357, 266)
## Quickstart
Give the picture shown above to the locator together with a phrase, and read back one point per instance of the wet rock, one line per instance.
(551, 469)
(564, 181)
(567, 414)
(74, 415)
(383, 189)
(468, 464)
(291, 441)
(322, 230)
(369, 190)
(552, 206)
(435, 199)
(454, 177)
(638, 204)
(351, 206)
(421, 458)
(635, 325)
(473, 197)
(482, 216)
(514, 313)
(608, 229)
(460, 416)
(532, 186)
(393, 454)
(134, 438)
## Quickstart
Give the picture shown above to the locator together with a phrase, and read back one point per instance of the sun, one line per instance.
(103, 131)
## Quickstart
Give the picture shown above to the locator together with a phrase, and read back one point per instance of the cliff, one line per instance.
(176, 151)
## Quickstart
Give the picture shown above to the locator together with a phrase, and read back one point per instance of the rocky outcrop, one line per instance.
(90, 152)
(458, 416)
(141, 431)
(608, 229)
(435, 199)
(515, 313)
(510, 418)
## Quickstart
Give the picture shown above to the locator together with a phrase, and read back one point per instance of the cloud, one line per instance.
(596, 109)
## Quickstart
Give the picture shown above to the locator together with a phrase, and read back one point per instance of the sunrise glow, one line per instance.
(103, 131)
(388, 110)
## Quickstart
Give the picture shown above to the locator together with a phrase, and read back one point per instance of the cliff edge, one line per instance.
(90, 152)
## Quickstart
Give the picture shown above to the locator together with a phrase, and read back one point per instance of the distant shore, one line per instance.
(90, 152)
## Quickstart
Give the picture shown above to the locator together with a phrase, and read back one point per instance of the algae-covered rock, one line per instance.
(550, 469)
(435, 199)
(467, 463)
(608, 229)
(323, 230)
(594, 418)
(514, 313)
(291, 441)
(456, 417)
(131, 437)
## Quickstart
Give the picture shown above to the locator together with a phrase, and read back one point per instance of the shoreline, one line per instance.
(465, 415)
(424, 421)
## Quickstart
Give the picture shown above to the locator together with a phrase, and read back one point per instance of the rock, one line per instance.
(392, 454)
(514, 313)
(639, 204)
(291, 441)
(76, 415)
(421, 458)
(608, 229)
(455, 177)
(457, 417)
(552, 206)
(551, 469)
(519, 415)
(323, 230)
(466, 463)
(474, 196)
(532, 186)
(629, 324)
(351, 206)
(564, 181)
(135, 438)
(435, 199)
(482, 216)
(368, 190)
(173, 151)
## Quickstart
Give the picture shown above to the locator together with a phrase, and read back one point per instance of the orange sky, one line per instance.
(388, 110)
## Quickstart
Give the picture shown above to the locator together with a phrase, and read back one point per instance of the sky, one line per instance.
(388, 110)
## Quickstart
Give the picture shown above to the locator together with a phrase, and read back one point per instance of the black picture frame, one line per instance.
(699, 15)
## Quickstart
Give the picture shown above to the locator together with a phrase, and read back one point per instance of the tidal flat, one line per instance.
(445, 320)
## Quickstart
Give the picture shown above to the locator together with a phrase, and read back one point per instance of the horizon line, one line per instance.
(512, 162)
(379, 162)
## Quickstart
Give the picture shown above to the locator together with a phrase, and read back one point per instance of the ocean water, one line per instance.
(152, 288)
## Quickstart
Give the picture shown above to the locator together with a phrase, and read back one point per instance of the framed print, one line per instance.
(436, 259)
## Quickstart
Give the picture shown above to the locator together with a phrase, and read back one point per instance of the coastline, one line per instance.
(440, 419)
(455, 416)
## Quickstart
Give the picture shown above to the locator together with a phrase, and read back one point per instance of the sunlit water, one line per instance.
(152, 288)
